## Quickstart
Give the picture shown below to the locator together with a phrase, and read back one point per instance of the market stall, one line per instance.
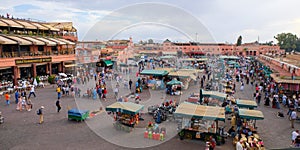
(200, 122)
(126, 114)
(214, 94)
(174, 87)
(248, 131)
(250, 104)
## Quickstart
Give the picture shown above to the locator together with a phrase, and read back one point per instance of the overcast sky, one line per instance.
(177, 20)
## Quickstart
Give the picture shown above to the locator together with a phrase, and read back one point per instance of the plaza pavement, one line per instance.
(21, 131)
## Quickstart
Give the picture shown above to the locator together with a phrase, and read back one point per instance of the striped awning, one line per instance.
(12, 23)
(48, 42)
(20, 40)
(40, 27)
(3, 24)
(50, 27)
(4, 40)
(66, 41)
(57, 41)
(26, 24)
(34, 41)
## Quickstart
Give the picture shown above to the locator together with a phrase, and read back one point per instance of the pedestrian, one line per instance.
(130, 84)
(212, 143)
(7, 98)
(32, 92)
(258, 99)
(41, 114)
(242, 86)
(116, 91)
(23, 93)
(294, 136)
(104, 94)
(58, 90)
(58, 105)
(17, 94)
(293, 117)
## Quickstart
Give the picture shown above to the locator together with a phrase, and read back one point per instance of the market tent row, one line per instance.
(191, 110)
(251, 114)
(214, 94)
(154, 72)
(125, 107)
(246, 104)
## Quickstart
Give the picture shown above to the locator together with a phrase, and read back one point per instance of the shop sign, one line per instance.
(33, 60)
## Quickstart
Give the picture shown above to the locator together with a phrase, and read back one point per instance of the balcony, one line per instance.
(38, 53)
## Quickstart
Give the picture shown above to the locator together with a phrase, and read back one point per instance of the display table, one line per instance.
(78, 115)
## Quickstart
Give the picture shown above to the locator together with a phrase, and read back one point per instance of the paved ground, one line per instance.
(21, 131)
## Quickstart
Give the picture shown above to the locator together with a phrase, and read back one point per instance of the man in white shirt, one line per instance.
(294, 136)
(32, 92)
(293, 117)
(239, 145)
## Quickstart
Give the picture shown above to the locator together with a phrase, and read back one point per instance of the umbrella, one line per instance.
(200, 96)
(174, 82)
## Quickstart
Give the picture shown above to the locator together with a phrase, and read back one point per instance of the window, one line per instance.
(41, 48)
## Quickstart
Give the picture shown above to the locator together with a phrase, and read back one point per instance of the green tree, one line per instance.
(239, 41)
(298, 45)
(287, 41)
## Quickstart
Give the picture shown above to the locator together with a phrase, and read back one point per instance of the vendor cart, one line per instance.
(200, 122)
(78, 115)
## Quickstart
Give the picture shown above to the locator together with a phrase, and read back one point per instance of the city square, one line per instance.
(63, 86)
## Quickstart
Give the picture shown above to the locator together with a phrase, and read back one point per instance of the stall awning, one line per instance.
(35, 41)
(251, 114)
(200, 112)
(4, 40)
(26, 24)
(48, 42)
(154, 72)
(166, 69)
(246, 104)
(66, 41)
(57, 41)
(3, 24)
(214, 94)
(40, 27)
(125, 107)
(12, 23)
(50, 27)
(174, 82)
(108, 63)
(20, 40)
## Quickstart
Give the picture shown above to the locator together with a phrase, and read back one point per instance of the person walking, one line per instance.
(58, 105)
(130, 84)
(7, 98)
(32, 92)
(58, 90)
(293, 117)
(116, 91)
(17, 94)
(294, 136)
(41, 114)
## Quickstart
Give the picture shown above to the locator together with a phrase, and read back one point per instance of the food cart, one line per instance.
(249, 104)
(126, 115)
(199, 122)
(78, 115)
(249, 130)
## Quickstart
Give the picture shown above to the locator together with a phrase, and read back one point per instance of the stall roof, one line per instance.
(279, 80)
(35, 41)
(214, 94)
(154, 72)
(108, 62)
(200, 112)
(125, 107)
(251, 114)
(246, 103)
(4, 40)
(48, 42)
(20, 40)
(166, 69)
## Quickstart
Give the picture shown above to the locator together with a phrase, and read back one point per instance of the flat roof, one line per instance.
(4, 40)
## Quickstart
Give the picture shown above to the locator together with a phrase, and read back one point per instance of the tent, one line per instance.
(125, 107)
(214, 94)
(246, 104)
(200, 112)
(174, 82)
(154, 72)
(251, 114)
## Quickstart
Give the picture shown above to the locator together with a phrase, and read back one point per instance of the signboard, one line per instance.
(33, 60)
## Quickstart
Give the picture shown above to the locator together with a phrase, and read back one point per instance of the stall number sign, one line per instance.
(33, 60)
